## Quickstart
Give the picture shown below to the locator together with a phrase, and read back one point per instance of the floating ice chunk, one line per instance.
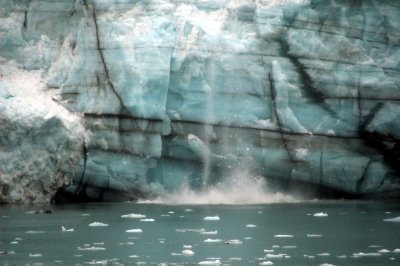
(187, 252)
(34, 232)
(128, 243)
(388, 212)
(134, 216)
(147, 220)
(14, 242)
(211, 240)
(384, 251)
(325, 254)
(275, 256)
(187, 246)
(275, 246)
(326, 264)
(66, 230)
(397, 250)
(289, 247)
(209, 232)
(188, 210)
(133, 256)
(395, 220)
(314, 235)
(98, 224)
(36, 255)
(234, 242)
(85, 214)
(211, 218)
(175, 254)
(91, 248)
(30, 212)
(134, 231)
(266, 263)
(235, 259)
(269, 250)
(171, 212)
(371, 254)
(320, 214)
(98, 243)
(341, 257)
(251, 225)
(283, 236)
(210, 262)
(18, 239)
(375, 246)
(248, 237)
(182, 230)
(310, 257)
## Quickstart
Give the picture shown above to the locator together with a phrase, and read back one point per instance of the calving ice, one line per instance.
(132, 100)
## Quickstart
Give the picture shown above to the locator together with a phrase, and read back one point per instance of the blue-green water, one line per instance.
(352, 233)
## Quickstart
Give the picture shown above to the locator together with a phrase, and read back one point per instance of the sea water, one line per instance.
(290, 233)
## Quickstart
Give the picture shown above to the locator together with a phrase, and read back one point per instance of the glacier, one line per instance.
(124, 99)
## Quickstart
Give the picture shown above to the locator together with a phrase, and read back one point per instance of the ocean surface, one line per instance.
(291, 233)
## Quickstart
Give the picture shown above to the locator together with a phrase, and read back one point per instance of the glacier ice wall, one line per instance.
(302, 93)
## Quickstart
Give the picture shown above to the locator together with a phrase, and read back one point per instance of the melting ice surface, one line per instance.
(249, 234)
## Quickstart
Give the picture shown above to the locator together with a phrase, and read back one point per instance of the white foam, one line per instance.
(14, 242)
(341, 257)
(251, 225)
(395, 220)
(98, 224)
(248, 237)
(85, 214)
(211, 218)
(133, 256)
(133, 216)
(384, 251)
(269, 250)
(147, 220)
(320, 214)
(188, 210)
(283, 236)
(325, 254)
(134, 231)
(240, 188)
(235, 259)
(326, 264)
(210, 262)
(211, 240)
(289, 247)
(187, 252)
(397, 250)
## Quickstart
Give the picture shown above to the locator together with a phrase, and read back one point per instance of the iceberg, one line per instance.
(124, 100)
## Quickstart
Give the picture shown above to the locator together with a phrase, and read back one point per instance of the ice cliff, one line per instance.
(162, 93)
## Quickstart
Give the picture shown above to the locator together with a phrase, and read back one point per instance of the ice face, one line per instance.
(191, 92)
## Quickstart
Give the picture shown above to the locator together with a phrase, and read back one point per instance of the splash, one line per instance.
(240, 188)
